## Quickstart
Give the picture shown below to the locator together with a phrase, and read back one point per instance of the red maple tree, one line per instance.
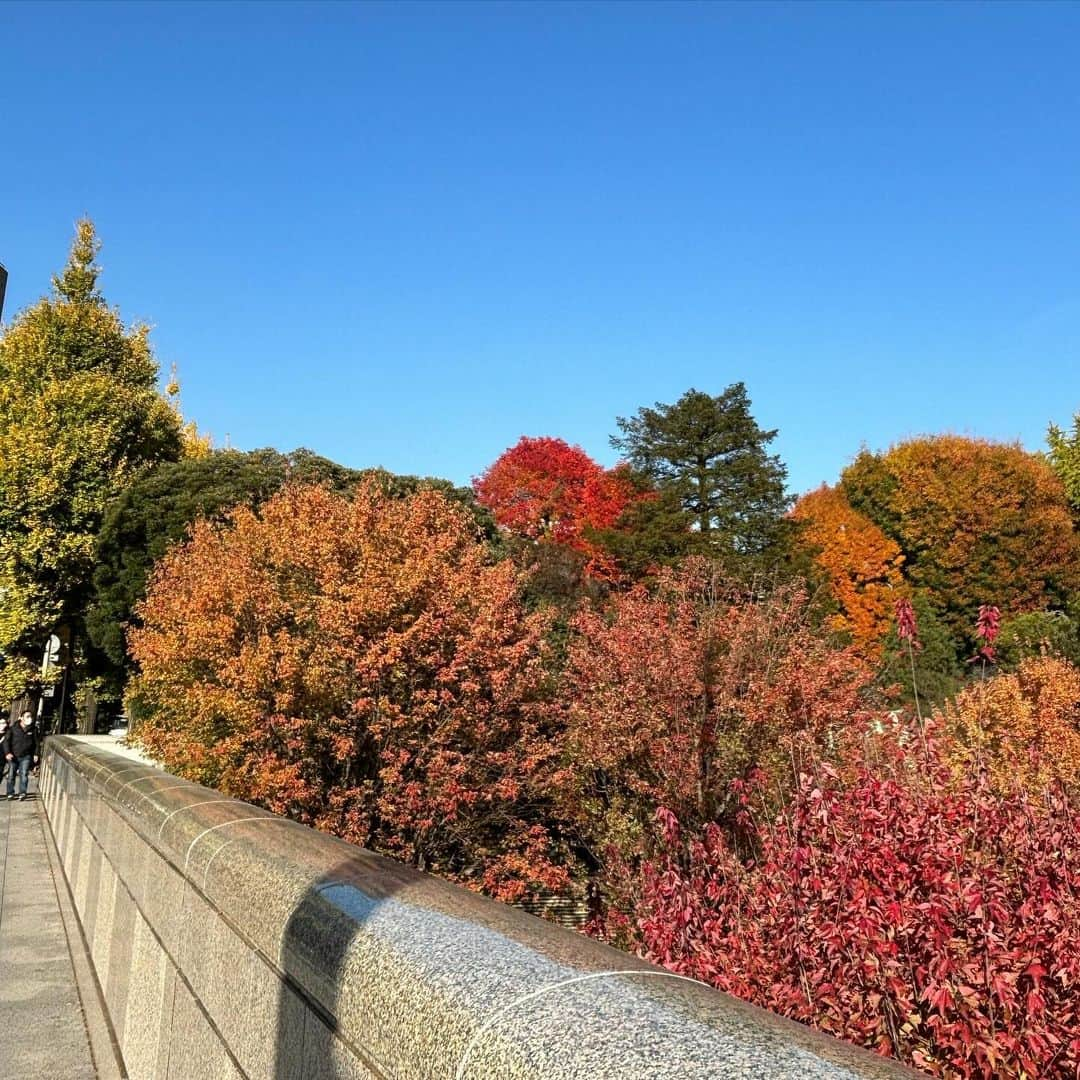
(544, 488)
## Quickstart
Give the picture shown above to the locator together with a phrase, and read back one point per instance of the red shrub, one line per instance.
(673, 692)
(900, 909)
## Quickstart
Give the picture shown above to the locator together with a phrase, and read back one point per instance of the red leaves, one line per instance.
(988, 624)
(906, 627)
(545, 488)
(923, 914)
(673, 693)
(987, 627)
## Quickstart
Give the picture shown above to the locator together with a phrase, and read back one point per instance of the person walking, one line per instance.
(20, 750)
(3, 757)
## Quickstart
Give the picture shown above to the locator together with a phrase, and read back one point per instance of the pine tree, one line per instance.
(708, 455)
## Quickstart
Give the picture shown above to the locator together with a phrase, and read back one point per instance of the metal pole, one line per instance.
(63, 700)
(3, 288)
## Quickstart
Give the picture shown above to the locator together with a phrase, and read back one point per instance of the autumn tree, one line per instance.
(709, 454)
(361, 665)
(546, 490)
(860, 564)
(1065, 459)
(80, 418)
(677, 691)
(977, 522)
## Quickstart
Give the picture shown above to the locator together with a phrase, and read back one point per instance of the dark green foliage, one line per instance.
(870, 487)
(708, 459)
(937, 669)
(1038, 633)
(651, 533)
(155, 513)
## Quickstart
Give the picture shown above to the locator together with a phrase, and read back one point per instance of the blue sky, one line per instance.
(408, 234)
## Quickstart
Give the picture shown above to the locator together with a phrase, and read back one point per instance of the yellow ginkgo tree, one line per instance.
(81, 415)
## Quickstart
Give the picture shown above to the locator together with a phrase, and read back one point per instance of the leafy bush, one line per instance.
(902, 908)
(362, 666)
(1038, 633)
(1020, 727)
(674, 692)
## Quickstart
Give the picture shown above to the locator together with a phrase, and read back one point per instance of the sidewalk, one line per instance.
(38, 995)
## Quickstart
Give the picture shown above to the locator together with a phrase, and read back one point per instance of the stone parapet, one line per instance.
(229, 942)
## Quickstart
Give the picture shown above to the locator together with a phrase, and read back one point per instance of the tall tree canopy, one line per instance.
(978, 523)
(709, 453)
(80, 417)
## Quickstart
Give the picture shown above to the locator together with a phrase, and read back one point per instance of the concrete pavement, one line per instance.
(41, 1011)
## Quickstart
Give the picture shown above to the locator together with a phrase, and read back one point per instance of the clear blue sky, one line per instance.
(408, 234)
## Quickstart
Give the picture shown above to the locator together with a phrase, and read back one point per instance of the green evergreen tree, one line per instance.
(720, 491)
(938, 670)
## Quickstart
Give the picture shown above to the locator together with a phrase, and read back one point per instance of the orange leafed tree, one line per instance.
(978, 522)
(359, 665)
(543, 488)
(861, 564)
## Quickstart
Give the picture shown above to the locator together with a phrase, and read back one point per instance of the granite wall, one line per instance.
(229, 942)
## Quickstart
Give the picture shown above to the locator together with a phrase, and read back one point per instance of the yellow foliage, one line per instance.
(194, 443)
(80, 418)
(1022, 727)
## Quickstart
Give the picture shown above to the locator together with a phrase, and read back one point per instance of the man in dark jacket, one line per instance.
(20, 750)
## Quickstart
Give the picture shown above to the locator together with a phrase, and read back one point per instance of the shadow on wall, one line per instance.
(317, 943)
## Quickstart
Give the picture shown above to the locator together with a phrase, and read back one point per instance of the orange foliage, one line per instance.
(1021, 727)
(860, 563)
(362, 667)
(979, 523)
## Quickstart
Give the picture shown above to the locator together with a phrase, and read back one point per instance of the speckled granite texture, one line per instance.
(233, 943)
